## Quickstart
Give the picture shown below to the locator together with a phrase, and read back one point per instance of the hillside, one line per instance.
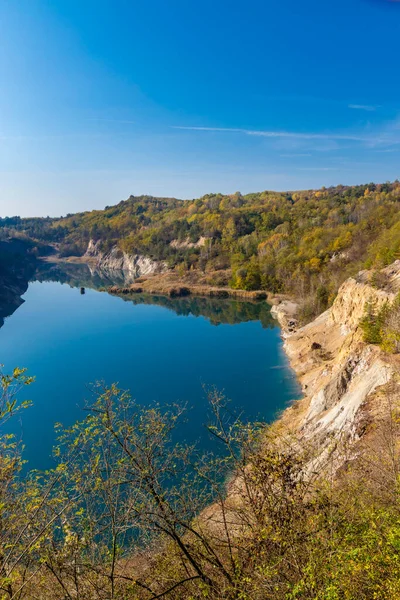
(310, 509)
(305, 508)
(302, 243)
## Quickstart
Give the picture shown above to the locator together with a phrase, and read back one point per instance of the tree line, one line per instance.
(303, 243)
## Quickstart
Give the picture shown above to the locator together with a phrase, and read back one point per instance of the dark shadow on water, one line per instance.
(17, 266)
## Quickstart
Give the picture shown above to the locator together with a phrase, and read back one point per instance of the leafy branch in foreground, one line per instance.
(129, 513)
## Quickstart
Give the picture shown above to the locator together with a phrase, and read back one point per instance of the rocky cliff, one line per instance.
(343, 378)
(131, 265)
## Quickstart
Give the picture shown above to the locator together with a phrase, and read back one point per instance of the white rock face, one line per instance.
(188, 244)
(132, 265)
(350, 302)
(334, 408)
(338, 371)
(285, 314)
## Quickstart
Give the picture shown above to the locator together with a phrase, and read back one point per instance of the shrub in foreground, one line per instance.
(128, 513)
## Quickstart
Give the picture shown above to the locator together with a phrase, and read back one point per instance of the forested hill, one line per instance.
(304, 243)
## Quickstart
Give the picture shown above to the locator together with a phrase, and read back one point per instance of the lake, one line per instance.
(160, 349)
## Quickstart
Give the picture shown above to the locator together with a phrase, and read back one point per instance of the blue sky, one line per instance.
(100, 99)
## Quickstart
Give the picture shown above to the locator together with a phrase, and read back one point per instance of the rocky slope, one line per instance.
(131, 265)
(342, 377)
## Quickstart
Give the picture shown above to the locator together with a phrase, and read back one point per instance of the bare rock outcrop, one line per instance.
(340, 374)
(188, 244)
(131, 265)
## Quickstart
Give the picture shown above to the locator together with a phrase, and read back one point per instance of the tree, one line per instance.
(129, 514)
(371, 323)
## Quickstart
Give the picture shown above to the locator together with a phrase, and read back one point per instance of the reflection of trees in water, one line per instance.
(17, 264)
(217, 311)
(79, 275)
(9, 302)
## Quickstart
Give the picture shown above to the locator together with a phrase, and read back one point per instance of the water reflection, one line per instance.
(16, 268)
(68, 340)
(78, 275)
(216, 311)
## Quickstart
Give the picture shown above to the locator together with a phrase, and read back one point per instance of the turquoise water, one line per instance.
(160, 349)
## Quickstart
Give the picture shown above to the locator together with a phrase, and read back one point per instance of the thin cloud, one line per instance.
(317, 169)
(367, 107)
(387, 135)
(113, 120)
(388, 150)
(294, 155)
(278, 134)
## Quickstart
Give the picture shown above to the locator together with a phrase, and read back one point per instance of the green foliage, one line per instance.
(323, 296)
(294, 243)
(129, 514)
(381, 326)
(371, 323)
(10, 386)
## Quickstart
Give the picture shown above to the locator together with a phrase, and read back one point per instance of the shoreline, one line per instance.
(181, 290)
(169, 283)
(338, 374)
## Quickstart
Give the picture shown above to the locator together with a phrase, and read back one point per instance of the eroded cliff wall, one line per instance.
(342, 377)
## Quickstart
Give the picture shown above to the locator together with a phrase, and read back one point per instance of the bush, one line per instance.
(129, 514)
(382, 326)
(371, 324)
(379, 280)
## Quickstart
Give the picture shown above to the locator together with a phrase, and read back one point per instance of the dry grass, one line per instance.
(194, 283)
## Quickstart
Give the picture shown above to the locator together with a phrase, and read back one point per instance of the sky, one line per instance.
(100, 99)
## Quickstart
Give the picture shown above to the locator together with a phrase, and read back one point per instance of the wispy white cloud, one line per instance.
(367, 107)
(113, 120)
(387, 134)
(318, 169)
(278, 134)
(295, 155)
(386, 150)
